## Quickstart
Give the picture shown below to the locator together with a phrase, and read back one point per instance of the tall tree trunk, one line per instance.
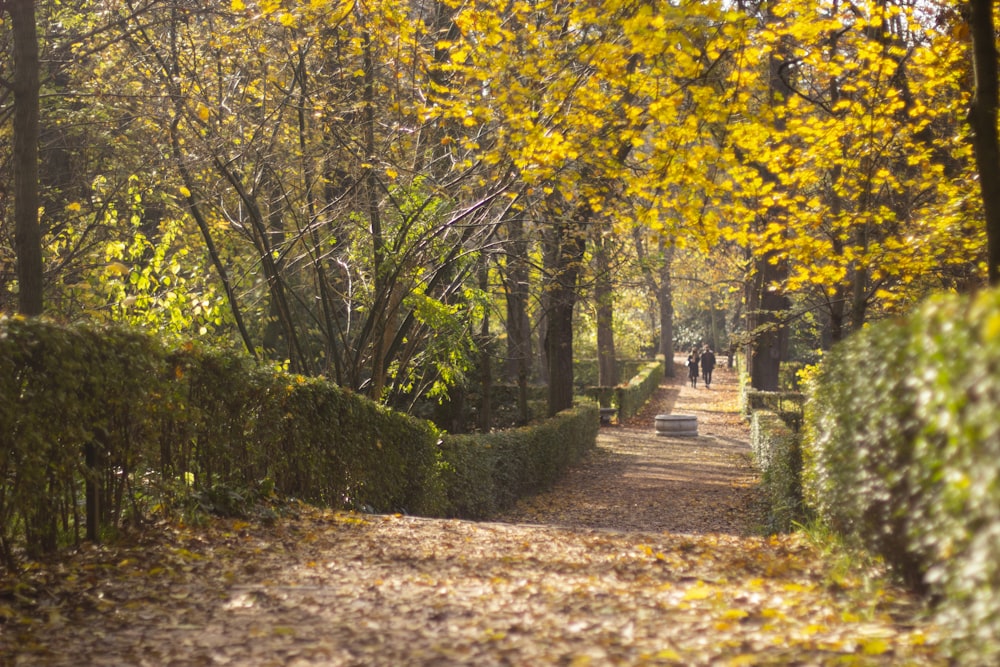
(275, 341)
(607, 364)
(485, 354)
(316, 253)
(518, 366)
(983, 117)
(659, 284)
(380, 269)
(27, 232)
(559, 347)
(564, 256)
(665, 299)
(767, 312)
(769, 335)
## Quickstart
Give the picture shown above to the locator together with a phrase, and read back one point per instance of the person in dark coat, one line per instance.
(692, 364)
(707, 365)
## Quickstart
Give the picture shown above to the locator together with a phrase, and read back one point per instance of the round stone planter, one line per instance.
(676, 425)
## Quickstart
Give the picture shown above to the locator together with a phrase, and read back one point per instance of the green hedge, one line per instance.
(777, 454)
(788, 404)
(902, 451)
(64, 392)
(586, 371)
(639, 389)
(113, 420)
(486, 473)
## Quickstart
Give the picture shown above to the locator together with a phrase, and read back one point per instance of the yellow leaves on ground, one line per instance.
(700, 591)
(401, 589)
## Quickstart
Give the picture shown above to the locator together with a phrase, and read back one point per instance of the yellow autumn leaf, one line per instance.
(875, 646)
(667, 654)
(117, 268)
(797, 588)
(237, 5)
(700, 591)
(74, 207)
(185, 192)
(203, 112)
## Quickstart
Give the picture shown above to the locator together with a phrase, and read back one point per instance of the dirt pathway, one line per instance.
(640, 557)
(639, 481)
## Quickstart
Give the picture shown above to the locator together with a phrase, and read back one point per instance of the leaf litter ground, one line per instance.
(645, 554)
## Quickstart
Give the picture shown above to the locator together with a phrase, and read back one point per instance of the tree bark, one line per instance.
(665, 297)
(660, 285)
(983, 117)
(518, 365)
(380, 270)
(27, 231)
(564, 256)
(607, 364)
(769, 335)
(485, 354)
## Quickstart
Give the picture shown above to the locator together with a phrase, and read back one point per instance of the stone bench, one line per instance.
(676, 425)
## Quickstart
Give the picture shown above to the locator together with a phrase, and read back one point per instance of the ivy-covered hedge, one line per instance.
(113, 421)
(902, 451)
(777, 454)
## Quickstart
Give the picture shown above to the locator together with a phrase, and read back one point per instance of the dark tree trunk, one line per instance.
(665, 296)
(768, 306)
(607, 364)
(769, 335)
(518, 366)
(983, 117)
(564, 257)
(485, 355)
(27, 232)
(660, 286)
(379, 266)
(559, 345)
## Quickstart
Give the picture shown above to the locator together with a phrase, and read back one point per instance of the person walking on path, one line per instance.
(692, 364)
(707, 365)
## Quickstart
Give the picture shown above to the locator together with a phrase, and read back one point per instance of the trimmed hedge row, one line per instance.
(902, 452)
(788, 404)
(486, 473)
(639, 389)
(115, 415)
(777, 454)
(632, 396)
(586, 371)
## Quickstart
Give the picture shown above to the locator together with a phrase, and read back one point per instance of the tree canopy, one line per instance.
(392, 194)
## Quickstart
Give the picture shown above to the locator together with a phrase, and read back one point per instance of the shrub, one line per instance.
(903, 452)
(69, 394)
(486, 473)
(147, 428)
(777, 454)
(638, 390)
